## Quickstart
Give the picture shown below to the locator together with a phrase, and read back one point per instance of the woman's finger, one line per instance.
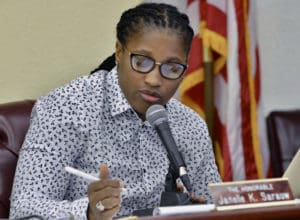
(104, 171)
(111, 202)
(107, 214)
(99, 185)
(200, 200)
(179, 187)
(107, 192)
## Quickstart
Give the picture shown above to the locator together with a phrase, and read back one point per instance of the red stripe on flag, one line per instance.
(190, 1)
(195, 57)
(250, 166)
(196, 93)
(220, 132)
(216, 20)
(257, 77)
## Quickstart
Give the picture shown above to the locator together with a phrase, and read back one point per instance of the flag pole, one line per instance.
(208, 90)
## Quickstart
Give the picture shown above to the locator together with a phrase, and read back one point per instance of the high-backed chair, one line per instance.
(284, 138)
(14, 122)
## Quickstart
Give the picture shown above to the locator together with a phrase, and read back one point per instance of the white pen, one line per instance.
(84, 175)
(81, 174)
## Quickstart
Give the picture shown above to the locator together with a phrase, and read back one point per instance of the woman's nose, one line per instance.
(154, 78)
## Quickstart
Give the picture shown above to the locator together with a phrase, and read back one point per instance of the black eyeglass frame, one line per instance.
(131, 55)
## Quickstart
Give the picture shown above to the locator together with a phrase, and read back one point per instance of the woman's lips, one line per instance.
(151, 97)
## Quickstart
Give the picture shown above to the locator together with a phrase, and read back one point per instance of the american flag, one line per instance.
(228, 29)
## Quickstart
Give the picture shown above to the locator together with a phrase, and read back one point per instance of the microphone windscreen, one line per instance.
(155, 114)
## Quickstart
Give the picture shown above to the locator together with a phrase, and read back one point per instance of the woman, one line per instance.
(100, 120)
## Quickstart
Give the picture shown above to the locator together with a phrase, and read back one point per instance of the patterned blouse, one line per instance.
(88, 122)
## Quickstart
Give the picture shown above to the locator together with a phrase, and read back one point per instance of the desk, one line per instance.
(291, 212)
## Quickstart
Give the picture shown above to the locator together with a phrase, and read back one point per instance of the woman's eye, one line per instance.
(141, 61)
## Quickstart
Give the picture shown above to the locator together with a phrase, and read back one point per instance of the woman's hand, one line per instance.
(194, 199)
(104, 196)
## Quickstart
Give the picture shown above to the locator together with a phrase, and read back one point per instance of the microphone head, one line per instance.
(156, 114)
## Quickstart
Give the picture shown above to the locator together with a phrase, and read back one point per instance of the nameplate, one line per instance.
(251, 193)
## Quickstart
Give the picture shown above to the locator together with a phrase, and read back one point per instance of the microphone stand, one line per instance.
(170, 197)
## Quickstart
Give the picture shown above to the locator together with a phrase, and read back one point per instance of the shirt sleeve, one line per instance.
(53, 141)
(210, 171)
(206, 168)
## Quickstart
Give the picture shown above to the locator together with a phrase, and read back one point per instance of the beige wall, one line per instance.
(44, 44)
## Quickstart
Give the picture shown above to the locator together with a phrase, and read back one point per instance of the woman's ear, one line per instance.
(118, 51)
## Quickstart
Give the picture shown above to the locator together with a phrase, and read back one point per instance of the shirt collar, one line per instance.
(118, 101)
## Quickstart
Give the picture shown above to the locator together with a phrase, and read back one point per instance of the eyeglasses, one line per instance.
(144, 64)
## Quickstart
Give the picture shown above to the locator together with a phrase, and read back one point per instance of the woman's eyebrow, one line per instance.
(167, 59)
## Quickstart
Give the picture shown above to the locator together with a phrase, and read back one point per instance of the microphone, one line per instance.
(157, 116)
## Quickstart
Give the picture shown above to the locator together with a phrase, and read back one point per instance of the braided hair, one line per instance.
(152, 15)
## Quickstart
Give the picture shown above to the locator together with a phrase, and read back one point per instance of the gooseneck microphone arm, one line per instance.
(156, 115)
(174, 155)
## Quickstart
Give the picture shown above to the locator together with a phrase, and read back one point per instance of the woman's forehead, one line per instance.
(157, 40)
